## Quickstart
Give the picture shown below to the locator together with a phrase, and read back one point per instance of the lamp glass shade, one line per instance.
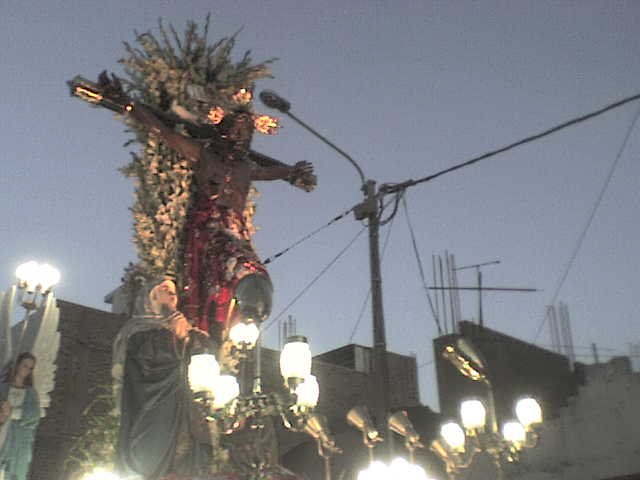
(295, 359)
(244, 334)
(307, 392)
(48, 277)
(453, 435)
(376, 471)
(202, 373)
(473, 414)
(225, 390)
(27, 274)
(528, 412)
(514, 432)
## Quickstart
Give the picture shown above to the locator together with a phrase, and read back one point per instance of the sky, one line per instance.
(407, 88)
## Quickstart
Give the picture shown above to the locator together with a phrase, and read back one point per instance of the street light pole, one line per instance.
(367, 209)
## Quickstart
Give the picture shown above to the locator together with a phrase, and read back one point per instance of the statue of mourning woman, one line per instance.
(19, 417)
(161, 435)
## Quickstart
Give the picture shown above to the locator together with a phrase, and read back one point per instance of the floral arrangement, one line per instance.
(187, 78)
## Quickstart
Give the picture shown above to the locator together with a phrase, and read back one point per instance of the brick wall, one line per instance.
(83, 364)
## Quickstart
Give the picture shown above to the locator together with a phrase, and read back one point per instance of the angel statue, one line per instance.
(24, 386)
(190, 107)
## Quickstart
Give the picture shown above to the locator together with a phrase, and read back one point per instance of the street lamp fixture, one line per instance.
(459, 446)
(244, 334)
(359, 418)
(399, 468)
(399, 423)
(35, 279)
(473, 414)
(225, 403)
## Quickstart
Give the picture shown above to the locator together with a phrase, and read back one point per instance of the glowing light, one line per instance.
(376, 471)
(453, 435)
(225, 390)
(266, 124)
(32, 276)
(308, 392)
(49, 276)
(88, 95)
(244, 334)
(203, 370)
(473, 414)
(215, 115)
(100, 474)
(528, 412)
(242, 96)
(27, 274)
(295, 359)
(514, 432)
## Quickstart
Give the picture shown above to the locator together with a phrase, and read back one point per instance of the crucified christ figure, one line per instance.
(218, 254)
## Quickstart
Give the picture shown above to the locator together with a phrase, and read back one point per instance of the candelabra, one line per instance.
(459, 445)
(231, 409)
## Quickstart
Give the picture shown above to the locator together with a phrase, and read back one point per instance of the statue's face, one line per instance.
(163, 298)
(25, 368)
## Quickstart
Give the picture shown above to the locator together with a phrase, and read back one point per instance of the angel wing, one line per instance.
(6, 309)
(46, 343)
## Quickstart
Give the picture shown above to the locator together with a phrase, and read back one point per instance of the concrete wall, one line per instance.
(596, 436)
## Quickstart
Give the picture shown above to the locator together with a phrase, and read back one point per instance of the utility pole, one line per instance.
(368, 209)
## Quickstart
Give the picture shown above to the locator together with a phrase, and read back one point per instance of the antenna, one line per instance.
(456, 293)
(435, 283)
(444, 303)
(565, 328)
(480, 288)
(479, 275)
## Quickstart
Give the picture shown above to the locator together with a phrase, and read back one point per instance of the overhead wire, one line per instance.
(420, 268)
(307, 236)
(314, 280)
(585, 230)
(394, 187)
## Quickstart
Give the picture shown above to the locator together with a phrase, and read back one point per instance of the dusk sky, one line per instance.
(407, 88)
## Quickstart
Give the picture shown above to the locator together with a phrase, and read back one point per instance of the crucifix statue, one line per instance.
(190, 107)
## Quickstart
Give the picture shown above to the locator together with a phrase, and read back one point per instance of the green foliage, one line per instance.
(96, 447)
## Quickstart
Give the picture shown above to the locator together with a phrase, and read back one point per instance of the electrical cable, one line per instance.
(307, 237)
(582, 236)
(424, 364)
(315, 279)
(420, 269)
(397, 198)
(392, 188)
(368, 295)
